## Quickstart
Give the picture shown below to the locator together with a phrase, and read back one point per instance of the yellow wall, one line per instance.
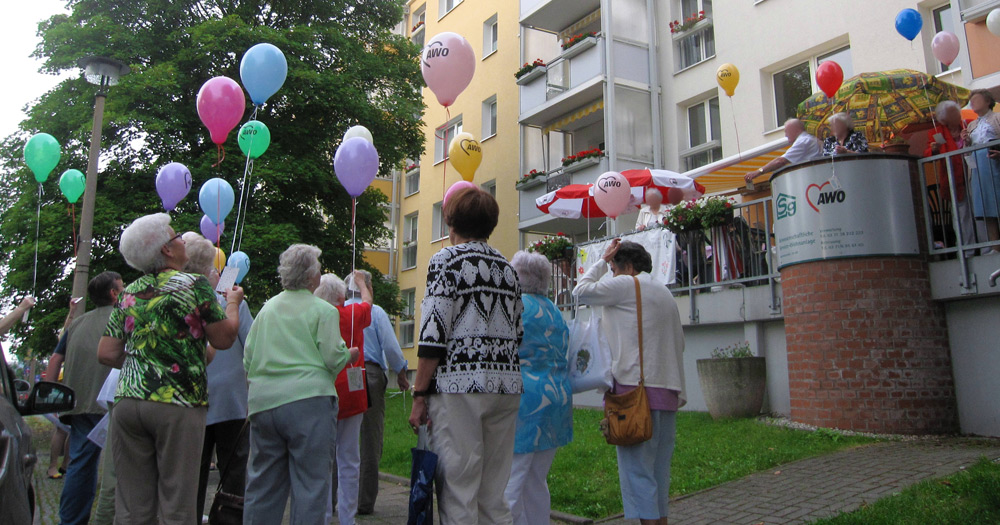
(494, 76)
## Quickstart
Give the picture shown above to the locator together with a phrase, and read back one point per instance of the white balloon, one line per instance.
(359, 131)
(993, 21)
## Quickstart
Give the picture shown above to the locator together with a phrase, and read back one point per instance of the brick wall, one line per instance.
(867, 347)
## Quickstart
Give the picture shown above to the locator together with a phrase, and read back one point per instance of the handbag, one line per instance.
(627, 419)
(227, 509)
(589, 357)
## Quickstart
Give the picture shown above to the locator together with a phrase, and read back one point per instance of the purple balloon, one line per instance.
(173, 182)
(356, 164)
(210, 230)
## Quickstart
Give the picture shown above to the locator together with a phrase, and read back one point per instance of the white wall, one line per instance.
(973, 333)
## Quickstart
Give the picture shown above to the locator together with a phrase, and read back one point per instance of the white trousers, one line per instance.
(473, 436)
(348, 470)
(528, 491)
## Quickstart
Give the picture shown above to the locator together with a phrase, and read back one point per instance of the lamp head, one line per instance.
(102, 71)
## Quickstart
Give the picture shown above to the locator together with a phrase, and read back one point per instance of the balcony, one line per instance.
(555, 15)
(573, 79)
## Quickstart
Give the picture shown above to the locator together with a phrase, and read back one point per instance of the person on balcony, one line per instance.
(843, 139)
(653, 212)
(803, 147)
(985, 163)
(944, 137)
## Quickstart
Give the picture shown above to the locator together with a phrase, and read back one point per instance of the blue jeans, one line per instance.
(81, 476)
(644, 470)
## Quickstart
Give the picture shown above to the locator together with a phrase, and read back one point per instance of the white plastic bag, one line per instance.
(589, 357)
(107, 393)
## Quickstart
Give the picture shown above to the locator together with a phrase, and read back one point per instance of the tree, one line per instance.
(345, 67)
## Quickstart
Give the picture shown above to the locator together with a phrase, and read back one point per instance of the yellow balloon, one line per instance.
(465, 154)
(220, 260)
(728, 77)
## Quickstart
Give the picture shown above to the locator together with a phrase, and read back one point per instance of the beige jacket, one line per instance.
(663, 334)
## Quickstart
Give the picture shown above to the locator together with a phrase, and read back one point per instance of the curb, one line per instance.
(556, 515)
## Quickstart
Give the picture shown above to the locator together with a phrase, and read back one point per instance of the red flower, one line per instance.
(729, 205)
(129, 324)
(196, 327)
(174, 368)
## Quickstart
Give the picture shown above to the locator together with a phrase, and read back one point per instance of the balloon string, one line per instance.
(221, 152)
(72, 212)
(739, 150)
(354, 252)
(38, 222)
(242, 225)
(444, 176)
(243, 184)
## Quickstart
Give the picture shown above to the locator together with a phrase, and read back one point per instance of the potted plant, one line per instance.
(733, 381)
(677, 27)
(594, 153)
(576, 39)
(417, 26)
(528, 68)
(716, 211)
(554, 247)
(528, 177)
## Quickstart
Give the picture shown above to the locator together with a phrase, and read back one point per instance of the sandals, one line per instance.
(57, 475)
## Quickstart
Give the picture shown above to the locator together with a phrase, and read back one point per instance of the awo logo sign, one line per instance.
(819, 197)
(785, 206)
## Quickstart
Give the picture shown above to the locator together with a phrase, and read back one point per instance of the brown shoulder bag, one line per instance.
(627, 419)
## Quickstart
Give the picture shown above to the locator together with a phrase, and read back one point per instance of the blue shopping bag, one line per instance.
(422, 482)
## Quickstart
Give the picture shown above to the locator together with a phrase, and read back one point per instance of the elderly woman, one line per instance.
(468, 380)
(545, 418)
(157, 335)
(292, 358)
(653, 212)
(353, 398)
(227, 388)
(985, 163)
(643, 469)
(843, 138)
(947, 136)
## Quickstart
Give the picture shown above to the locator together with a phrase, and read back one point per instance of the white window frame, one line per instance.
(936, 20)
(710, 143)
(490, 117)
(411, 182)
(407, 323)
(490, 187)
(442, 138)
(491, 36)
(814, 62)
(411, 225)
(419, 15)
(439, 230)
(691, 35)
(444, 8)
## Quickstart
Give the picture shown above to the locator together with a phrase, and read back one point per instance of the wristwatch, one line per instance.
(421, 393)
(760, 171)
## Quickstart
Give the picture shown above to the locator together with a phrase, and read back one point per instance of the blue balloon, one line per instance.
(908, 23)
(240, 261)
(263, 70)
(356, 164)
(216, 198)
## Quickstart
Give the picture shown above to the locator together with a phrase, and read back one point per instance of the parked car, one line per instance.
(23, 389)
(17, 452)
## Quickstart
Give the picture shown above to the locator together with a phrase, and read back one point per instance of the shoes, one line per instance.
(57, 475)
(365, 512)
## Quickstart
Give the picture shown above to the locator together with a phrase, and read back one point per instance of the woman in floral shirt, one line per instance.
(157, 335)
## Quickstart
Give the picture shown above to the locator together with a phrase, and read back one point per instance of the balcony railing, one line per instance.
(573, 68)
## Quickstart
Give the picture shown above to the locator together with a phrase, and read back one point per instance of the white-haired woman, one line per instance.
(353, 397)
(653, 212)
(946, 136)
(157, 335)
(545, 417)
(227, 389)
(292, 358)
(843, 138)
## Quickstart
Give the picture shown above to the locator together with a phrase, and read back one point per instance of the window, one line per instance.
(694, 46)
(490, 187)
(445, 6)
(943, 22)
(412, 181)
(491, 32)
(795, 84)
(407, 323)
(704, 135)
(443, 136)
(439, 230)
(489, 117)
(417, 21)
(410, 241)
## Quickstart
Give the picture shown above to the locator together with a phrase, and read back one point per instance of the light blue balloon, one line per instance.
(216, 198)
(908, 23)
(263, 71)
(240, 261)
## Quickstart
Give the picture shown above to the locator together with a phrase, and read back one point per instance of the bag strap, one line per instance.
(638, 309)
(232, 453)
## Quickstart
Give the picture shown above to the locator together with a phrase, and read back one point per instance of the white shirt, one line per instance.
(806, 147)
(663, 334)
(647, 218)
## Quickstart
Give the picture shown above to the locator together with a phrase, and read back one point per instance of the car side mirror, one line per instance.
(47, 397)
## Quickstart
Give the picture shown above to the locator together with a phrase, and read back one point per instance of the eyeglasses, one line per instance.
(174, 238)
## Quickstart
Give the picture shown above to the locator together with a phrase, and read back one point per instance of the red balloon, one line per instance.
(675, 195)
(829, 77)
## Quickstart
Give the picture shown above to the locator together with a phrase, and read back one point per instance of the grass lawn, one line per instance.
(584, 476)
(970, 497)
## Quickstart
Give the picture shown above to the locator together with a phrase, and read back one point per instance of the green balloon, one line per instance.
(254, 138)
(72, 183)
(41, 154)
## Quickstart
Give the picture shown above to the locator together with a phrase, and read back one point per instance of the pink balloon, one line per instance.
(448, 63)
(460, 185)
(612, 193)
(221, 105)
(945, 47)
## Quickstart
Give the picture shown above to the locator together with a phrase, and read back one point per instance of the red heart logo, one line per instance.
(818, 187)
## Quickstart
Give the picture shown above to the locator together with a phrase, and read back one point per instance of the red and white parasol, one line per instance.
(674, 186)
(574, 201)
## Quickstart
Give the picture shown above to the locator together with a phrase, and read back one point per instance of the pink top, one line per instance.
(659, 398)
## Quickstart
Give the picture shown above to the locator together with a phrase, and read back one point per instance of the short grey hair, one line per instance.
(942, 108)
(141, 242)
(201, 254)
(795, 122)
(844, 119)
(533, 272)
(331, 289)
(298, 265)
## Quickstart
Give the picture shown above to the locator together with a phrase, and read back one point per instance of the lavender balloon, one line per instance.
(210, 230)
(173, 182)
(356, 164)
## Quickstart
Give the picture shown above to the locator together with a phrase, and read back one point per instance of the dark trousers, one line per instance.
(372, 430)
(81, 476)
(224, 439)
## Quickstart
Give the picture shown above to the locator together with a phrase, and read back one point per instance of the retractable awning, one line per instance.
(727, 174)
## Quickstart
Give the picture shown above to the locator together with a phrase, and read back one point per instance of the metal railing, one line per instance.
(962, 204)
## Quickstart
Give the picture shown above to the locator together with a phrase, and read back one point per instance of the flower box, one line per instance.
(582, 164)
(530, 76)
(579, 47)
(530, 183)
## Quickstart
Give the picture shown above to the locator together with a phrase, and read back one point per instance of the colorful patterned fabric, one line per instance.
(162, 320)
(855, 142)
(545, 418)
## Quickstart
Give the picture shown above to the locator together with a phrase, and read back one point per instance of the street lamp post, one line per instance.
(103, 72)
